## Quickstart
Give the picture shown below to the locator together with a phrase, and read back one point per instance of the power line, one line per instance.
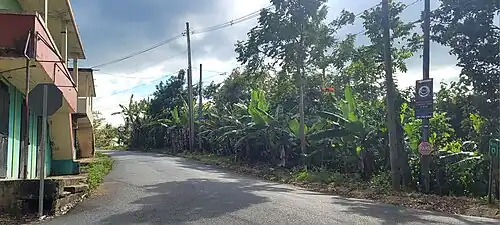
(231, 22)
(157, 45)
(203, 30)
(144, 68)
(137, 86)
(126, 76)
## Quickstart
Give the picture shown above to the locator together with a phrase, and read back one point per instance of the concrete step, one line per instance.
(62, 205)
(76, 188)
(65, 194)
(69, 180)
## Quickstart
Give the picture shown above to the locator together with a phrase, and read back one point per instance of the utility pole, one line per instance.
(200, 106)
(190, 90)
(391, 95)
(302, 120)
(301, 76)
(425, 159)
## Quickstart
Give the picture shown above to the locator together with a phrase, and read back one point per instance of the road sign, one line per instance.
(493, 147)
(54, 96)
(424, 97)
(424, 148)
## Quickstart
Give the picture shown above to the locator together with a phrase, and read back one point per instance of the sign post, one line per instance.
(424, 108)
(424, 99)
(494, 162)
(38, 98)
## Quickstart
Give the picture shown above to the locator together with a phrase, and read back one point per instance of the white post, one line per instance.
(46, 12)
(75, 72)
(64, 41)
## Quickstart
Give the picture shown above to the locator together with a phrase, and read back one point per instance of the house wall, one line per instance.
(14, 148)
(63, 150)
(85, 142)
(10, 5)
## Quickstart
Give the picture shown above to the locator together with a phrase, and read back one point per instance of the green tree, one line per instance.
(293, 35)
(468, 28)
(104, 132)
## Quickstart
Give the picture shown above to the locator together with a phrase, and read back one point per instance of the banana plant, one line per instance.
(356, 131)
(176, 127)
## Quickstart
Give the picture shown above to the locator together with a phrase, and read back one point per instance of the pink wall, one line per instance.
(50, 62)
(14, 29)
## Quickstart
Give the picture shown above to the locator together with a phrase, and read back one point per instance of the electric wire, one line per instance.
(157, 45)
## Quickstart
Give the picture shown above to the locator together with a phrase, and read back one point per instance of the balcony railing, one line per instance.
(18, 29)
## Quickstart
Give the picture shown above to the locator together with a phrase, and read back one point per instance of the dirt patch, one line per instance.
(6, 219)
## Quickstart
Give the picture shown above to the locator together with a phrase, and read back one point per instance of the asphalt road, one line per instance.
(155, 189)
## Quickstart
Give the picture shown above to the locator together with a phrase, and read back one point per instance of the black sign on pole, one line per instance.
(424, 98)
(54, 97)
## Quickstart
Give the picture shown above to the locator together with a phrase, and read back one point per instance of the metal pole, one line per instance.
(200, 107)
(26, 143)
(46, 12)
(64, 41)
(425, 159)
(24, 154)
(41, 192)
(190, 90)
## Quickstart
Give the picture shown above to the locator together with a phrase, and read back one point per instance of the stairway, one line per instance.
(71, 191)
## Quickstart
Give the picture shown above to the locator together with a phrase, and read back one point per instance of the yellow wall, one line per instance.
(62, 136)
(85, 142)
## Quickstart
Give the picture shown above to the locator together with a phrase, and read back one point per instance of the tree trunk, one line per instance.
(403, 158)
(391, 110)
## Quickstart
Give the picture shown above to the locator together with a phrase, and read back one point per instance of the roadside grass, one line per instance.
(115, 147)
(351, 186)
(97, 169)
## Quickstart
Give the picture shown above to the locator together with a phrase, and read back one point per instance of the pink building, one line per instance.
(37, 40)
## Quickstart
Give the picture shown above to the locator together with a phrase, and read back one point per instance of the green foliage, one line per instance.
(104, 133)
(97, 169)
(250, 118)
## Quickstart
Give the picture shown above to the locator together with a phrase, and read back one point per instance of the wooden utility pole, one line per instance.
(391, 96)
(190, 90)
(425, 159)
(200, 107)
(302, 121)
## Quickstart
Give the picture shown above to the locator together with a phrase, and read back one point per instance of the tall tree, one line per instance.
(293, 35)
(468, 28)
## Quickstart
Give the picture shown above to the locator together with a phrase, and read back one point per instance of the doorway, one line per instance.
(4, 128)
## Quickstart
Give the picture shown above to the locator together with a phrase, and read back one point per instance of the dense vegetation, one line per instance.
(97, 169)
(253, 116)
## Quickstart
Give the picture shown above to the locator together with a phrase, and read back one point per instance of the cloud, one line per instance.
(439, 74)
(110, 31)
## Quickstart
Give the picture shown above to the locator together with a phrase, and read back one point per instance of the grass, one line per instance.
(350, 186)
(100, 166)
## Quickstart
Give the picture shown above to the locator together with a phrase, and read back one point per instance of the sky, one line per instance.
(112, 29)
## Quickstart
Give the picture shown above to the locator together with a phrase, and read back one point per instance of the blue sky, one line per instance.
(111, 29)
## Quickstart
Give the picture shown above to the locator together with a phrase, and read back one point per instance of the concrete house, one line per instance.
(83, 119)
(37, 40)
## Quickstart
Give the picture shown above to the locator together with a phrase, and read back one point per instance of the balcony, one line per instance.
(26, 36)
(85, 107)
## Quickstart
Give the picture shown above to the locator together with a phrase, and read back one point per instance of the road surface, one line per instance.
(146, 188)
